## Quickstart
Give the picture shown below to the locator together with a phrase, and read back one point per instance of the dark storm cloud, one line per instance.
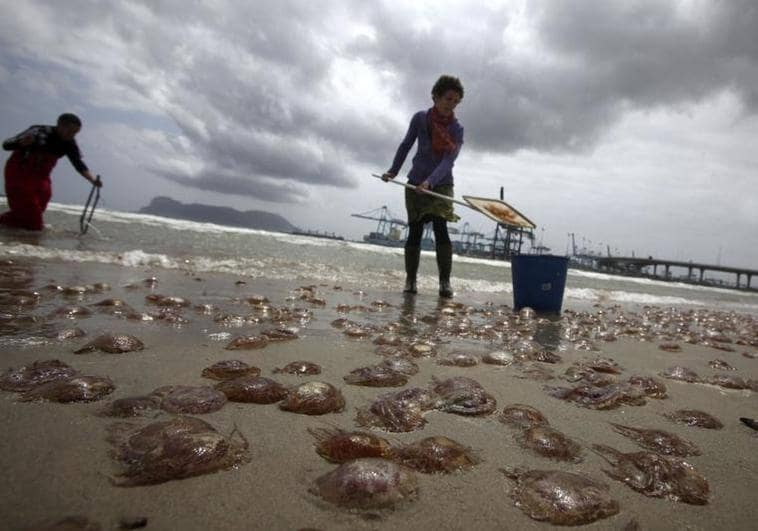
(653, 53)
(582, 66)
(225, 183)
(255, 101)
(253, 86)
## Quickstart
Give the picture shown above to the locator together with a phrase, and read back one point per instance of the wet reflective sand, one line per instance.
(457, 457)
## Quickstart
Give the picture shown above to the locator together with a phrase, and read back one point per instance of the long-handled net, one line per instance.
(495, 209)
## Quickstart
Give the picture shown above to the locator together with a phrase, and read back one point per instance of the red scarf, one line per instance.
(442, 141)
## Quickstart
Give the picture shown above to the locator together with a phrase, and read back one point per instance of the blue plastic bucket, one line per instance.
(539, 281)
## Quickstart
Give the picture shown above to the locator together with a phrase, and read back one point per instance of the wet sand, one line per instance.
(55, 459)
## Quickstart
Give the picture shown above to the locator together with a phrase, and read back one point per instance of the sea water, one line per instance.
(139, 240)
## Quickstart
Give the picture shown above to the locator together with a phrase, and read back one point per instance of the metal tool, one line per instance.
(88, 212)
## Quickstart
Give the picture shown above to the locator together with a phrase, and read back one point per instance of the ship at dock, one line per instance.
(317, 234)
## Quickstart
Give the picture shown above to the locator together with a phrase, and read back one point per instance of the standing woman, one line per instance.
(440, 137)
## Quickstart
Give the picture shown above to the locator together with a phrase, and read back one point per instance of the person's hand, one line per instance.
(388, 176)
(97, 182)
(26, 140)
(423, 187)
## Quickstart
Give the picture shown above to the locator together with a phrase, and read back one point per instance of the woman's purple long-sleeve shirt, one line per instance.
(427, 165)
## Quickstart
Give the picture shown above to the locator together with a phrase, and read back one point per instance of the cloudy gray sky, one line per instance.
(629, 123)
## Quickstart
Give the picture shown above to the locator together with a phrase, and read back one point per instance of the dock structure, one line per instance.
(695, 271)
(390, 231)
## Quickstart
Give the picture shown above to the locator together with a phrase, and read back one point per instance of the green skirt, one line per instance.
(420, 206)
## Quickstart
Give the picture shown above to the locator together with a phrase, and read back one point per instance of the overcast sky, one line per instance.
(629, 123)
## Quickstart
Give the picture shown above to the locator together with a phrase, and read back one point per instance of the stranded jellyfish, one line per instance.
(720, 365)
(300, 368)
(601, 364)
(256, 299)
(132, 406)
(670, 347)
(189, 399)
(401, 365)
(167, 300)
(522, 416)
(399, 412)
(112, 344)
(609, 397)
(247, 343)
(110, 303)
(656, 475)
(525, 349)
(71, 312)
(314, 398)
(459, 359)
(228, 369)
(692, 417)
(546, 356)
(75, 389)
(38, 373)
(437, 454)
(651, 387)
(561, 498)
(67, 333)
(681, 373)
(586, 345)
(252, 389)
(549, 442)
(463, 396)
(173, 449)
(368, 483)
(339, 446)
(280, 334)
(206, 309)
(422, 349)
(498, 357)
(388, 339)
(658, 441)
(358, 332)
(376, 376)
(728, 381)
(585, 375)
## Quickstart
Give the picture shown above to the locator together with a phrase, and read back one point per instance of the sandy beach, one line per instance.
(55, 458)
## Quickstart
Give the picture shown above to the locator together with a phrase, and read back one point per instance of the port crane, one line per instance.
(387, 220)
(389, 230)
(468, 241)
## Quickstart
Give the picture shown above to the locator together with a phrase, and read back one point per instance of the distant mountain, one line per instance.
(250, 219)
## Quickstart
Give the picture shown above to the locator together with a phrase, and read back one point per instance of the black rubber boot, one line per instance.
(445, 266)
(412, 257)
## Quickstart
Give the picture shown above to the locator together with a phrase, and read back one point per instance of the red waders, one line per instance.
(28, 189)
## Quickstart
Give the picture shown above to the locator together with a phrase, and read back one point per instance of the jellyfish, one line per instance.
(561, 498)
(656, 475)
(367, 483)
(314, 398)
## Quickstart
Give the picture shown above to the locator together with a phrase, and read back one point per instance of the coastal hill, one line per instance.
(249, 219)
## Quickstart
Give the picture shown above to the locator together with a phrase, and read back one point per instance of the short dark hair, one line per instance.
(445, 83)
(68, 118)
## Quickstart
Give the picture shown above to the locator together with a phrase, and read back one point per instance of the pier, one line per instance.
(695, 271)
